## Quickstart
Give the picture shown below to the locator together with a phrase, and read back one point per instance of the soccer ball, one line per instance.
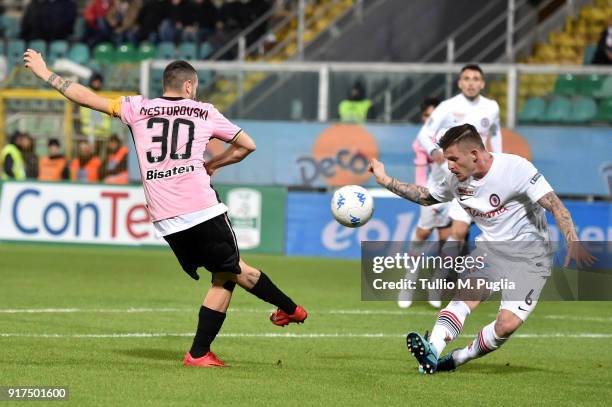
(352, 206)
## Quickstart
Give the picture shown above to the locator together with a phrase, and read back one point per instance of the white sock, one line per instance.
(448, 325)
(485, 342)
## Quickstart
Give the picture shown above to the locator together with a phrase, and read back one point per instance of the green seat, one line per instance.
(188, 51)
(38, 45)
(166, 50)
(14, 52)
(533, 110)
(11, 25)
(79, 53)
(104, 53)
(558, 110)
(566, 85)
(126, 53)
(584, 110)
(206, 50)
(604, 112)
(591, 84)
(589, 52)
(58, 49)
(606, 88)
(147, 51)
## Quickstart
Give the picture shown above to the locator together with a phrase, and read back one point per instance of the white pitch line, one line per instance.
(136, 310)
(287, 335)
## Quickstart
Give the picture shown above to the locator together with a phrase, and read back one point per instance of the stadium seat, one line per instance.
(10, 26)
(104, 53)
(590, 84)
(566, 85)
(79, 53)
(147, 51)
(57, 49)
(589, 52)
(206, 50)
(166, 50)
(606, 88)
(584, 110)
(2, 48)
(188, 51)
(38, 45)
(14, 52)
(604, 112)
(125, 53)
(533, 110)
(558, 110)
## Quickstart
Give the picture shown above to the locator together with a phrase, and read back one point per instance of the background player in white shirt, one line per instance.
(506, 196)
(467, 107)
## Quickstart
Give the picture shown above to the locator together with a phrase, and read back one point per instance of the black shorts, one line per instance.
(210, 244)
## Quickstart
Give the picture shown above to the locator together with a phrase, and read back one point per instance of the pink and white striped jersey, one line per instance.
(170, 135)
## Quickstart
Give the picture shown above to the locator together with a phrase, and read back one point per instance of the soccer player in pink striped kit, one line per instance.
(170, 134)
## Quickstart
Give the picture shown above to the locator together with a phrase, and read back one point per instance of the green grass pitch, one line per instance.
(347, 353)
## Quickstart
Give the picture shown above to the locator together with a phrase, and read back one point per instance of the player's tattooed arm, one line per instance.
(72, 91)
(553, 204)
(412, 192)
(59, 83)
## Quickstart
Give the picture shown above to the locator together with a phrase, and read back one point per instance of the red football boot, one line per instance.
(208, 360)
(281, 318)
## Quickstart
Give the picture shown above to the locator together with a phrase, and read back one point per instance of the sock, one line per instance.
(209, 324)
(448, 325)
(486, 341)
(265, 290)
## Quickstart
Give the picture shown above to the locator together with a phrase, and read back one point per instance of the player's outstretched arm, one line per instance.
(576, 251)
(73, 91)
(412, 192)
(242, 146)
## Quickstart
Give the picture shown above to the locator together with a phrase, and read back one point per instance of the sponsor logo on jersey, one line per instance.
(494, 200)
(466, 191)
(484, 122)
(157, 174)
(535, 178)
(486, 215)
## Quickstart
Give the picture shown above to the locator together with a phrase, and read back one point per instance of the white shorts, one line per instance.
(456, 212)
(521, 280)
(434, 216)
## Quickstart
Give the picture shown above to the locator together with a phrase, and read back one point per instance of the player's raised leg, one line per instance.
(210, 320)
(259, 284)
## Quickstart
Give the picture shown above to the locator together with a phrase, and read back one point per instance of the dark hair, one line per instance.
(53, 142)
(176, 73)
(459, 134)
(429, 102)
(472, 67)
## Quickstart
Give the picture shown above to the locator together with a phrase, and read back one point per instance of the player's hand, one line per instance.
(437, 157)
(34, 61)
(577, 252)
(378, 169)
(210, 170)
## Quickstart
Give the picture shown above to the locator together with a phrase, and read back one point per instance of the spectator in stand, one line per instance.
(53, 167)
(603, 53)
(93, 123)
(12, 166)
(114, 167)
(86, 166)
(48, 20)
(205, 13)
(149, 18)
(30, 158)
(122, 17)
(222, 36)
(179, 24)
(97, 28)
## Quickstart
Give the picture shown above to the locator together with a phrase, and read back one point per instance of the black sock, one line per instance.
(209, 324)
(266, 290)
